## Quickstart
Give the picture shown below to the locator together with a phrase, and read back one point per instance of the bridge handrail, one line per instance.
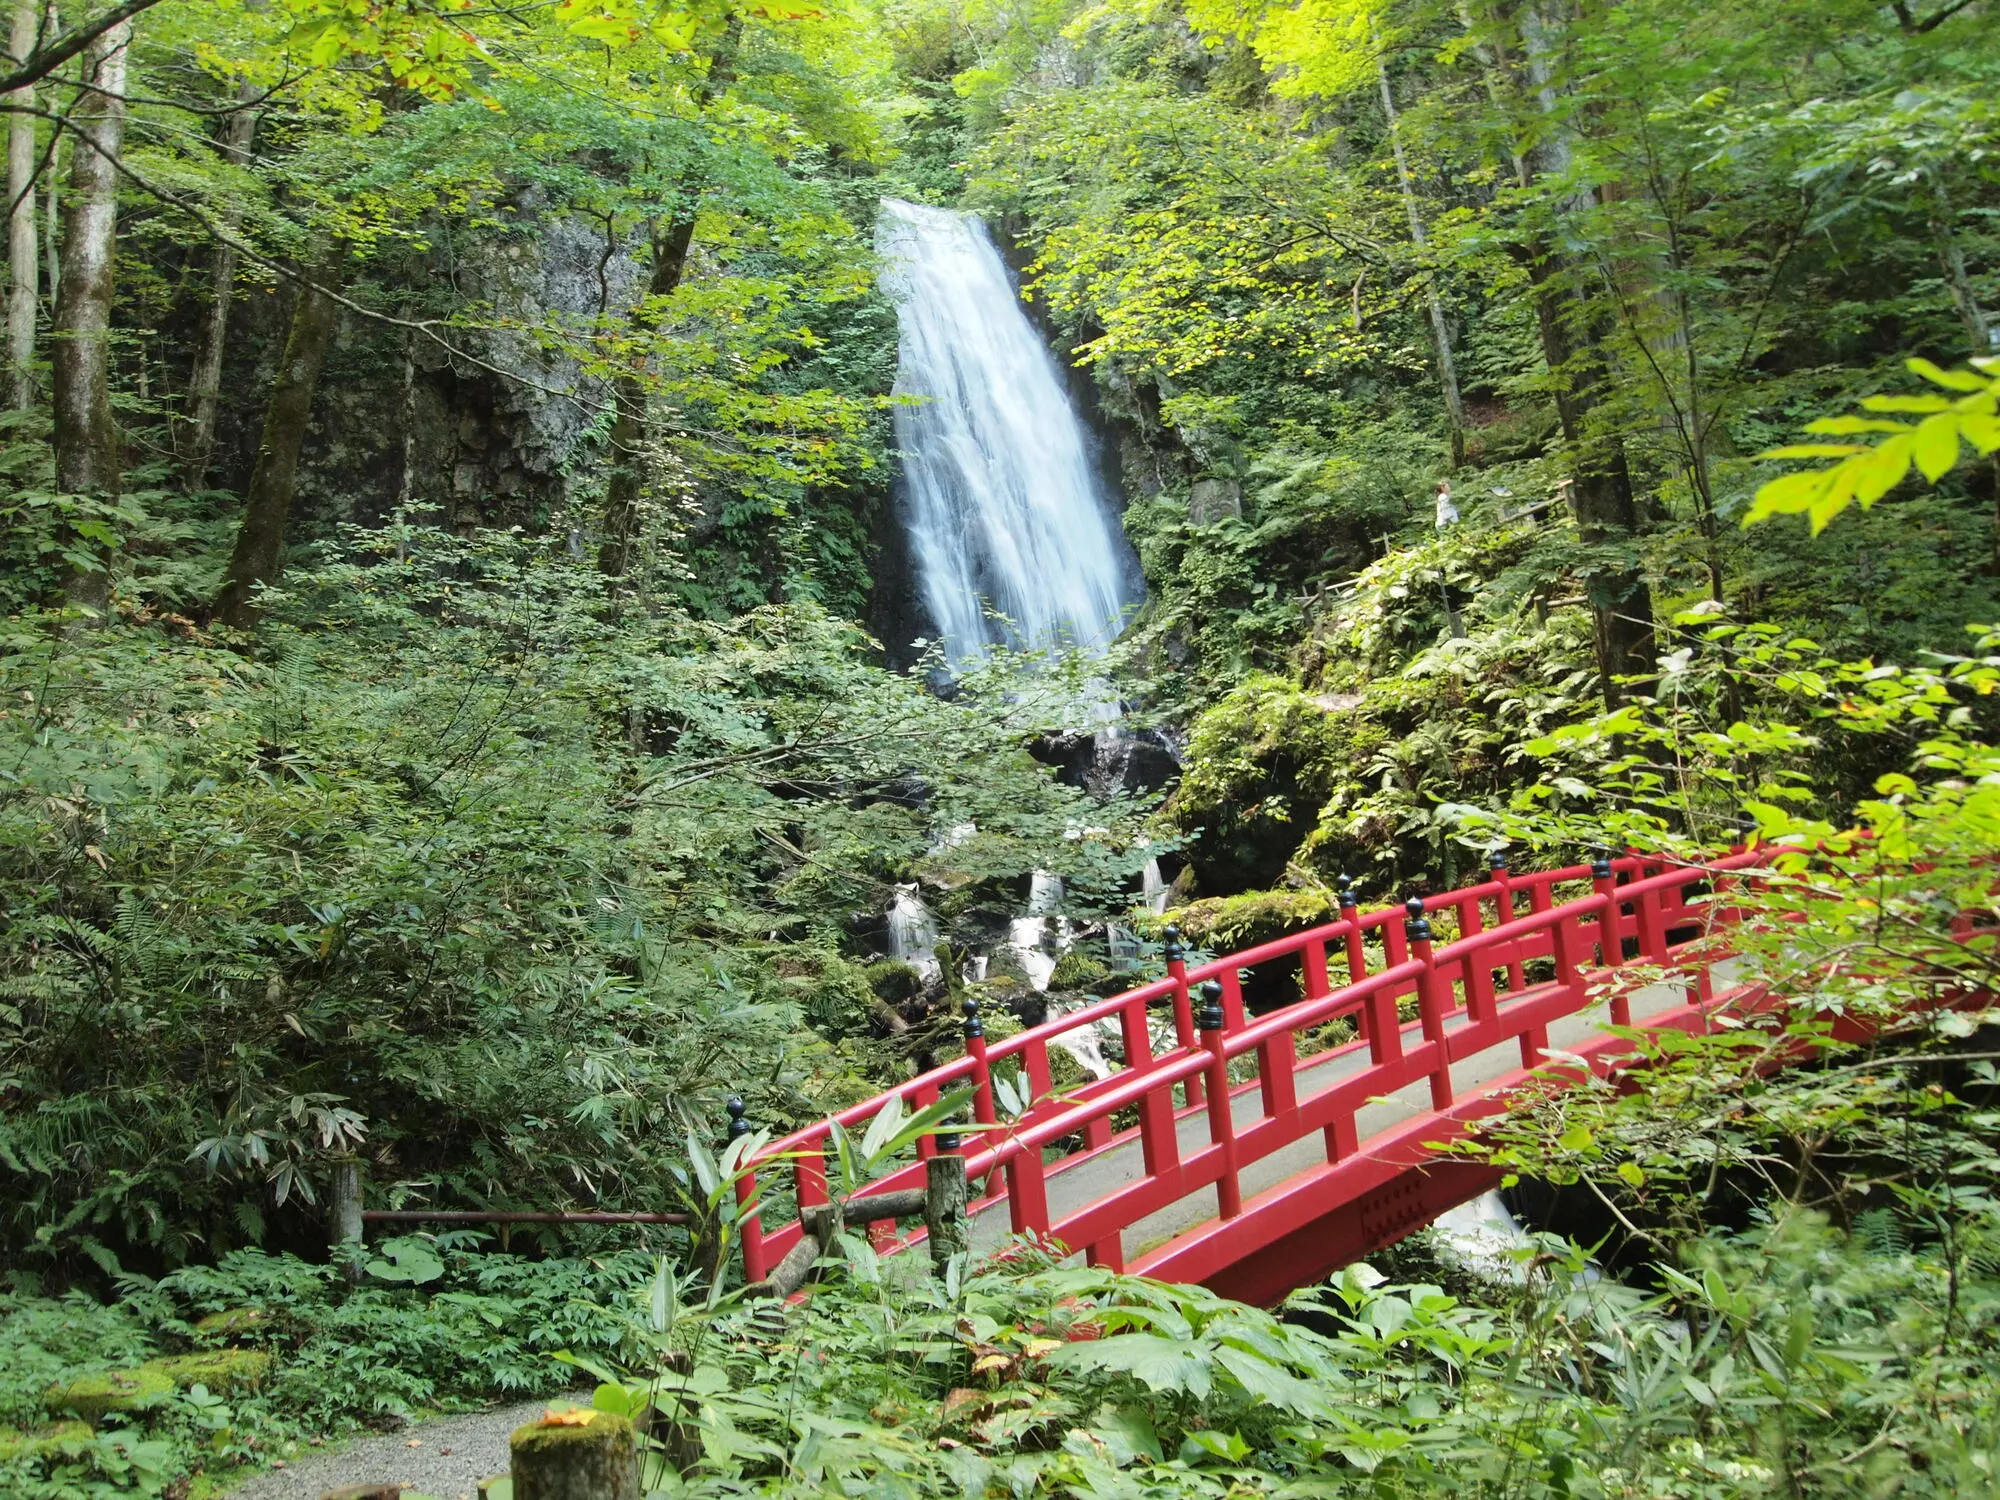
(1199, 1065)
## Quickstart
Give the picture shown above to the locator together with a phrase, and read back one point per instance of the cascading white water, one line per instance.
(1003, 509)
(912, 931)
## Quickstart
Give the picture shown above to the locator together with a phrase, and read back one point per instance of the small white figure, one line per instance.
(1447, 512)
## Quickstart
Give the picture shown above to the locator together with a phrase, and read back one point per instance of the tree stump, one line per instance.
(583, 1455)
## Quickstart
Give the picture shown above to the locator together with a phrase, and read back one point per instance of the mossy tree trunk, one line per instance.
(274, 481)
(672, 237)
(1521, 74)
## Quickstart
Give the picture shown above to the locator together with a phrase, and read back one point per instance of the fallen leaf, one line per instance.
(575, 1416)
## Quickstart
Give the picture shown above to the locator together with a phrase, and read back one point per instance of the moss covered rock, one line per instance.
(91, 1397)
(221, 1371)
(1077, 970)
(49, 1440)
(1221, 923)
(232, 1322)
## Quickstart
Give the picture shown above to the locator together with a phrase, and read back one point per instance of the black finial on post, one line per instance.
(1600, 863)
(1344, 884)
(973, 1025)
(1209, 1017)
(1416, 926)
(1172, 949)
(738, 1126)
(949, 1142)
(1496, 859)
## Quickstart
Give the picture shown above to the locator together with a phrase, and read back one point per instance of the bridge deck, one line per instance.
(1082, 1180)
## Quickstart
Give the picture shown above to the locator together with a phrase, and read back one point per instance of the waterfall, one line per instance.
(912, 931)
(1045, 893)
(1154, 892)
(1003, 508)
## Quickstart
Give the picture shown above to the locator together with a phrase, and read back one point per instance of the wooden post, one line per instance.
(344, 1216)
(945, 1196)
(583, 1455)
(1221, 1123)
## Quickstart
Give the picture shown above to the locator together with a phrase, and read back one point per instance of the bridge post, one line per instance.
(1503, 910)
(1610, 929)
(1175, 953)
(1430, 999)
(749, 1227)
(1610, 934)
(982, 1075)
(945, 1196)
(1350, 913)
(1221, 1123)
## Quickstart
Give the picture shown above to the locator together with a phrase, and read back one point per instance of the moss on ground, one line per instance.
(221, 1371)
(53, 1439)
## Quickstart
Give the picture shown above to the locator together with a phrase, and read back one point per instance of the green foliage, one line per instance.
(472, 871)
(1787, 1355)
(317, 1360)
(1868, 471)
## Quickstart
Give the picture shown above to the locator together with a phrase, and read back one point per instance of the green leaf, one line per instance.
(1882, 470)
(1160, 1364)
(1936, 446)
(406, 1259)
(1951, 380)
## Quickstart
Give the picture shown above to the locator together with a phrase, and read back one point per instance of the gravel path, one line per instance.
(446, 1457)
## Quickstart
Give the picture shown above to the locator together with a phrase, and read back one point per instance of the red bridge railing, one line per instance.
(1518, 953)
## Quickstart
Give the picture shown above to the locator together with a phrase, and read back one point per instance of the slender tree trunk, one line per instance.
(672, 238)
(274, 481)
(627, 481)
(86, 439)
(51, 239)
(24, 285)
(205, 380)
(1600, 485)
(1951, 260)
(1454, 402)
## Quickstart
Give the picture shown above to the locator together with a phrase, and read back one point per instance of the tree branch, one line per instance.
(45, 60)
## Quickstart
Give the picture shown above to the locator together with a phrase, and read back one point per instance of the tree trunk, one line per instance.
(205, 381)
(1600, 483)
(627, 480)
(672, 238)
(86, 439)
(1454, 402)
(22, 258)
(274, 481)
(1951, 260)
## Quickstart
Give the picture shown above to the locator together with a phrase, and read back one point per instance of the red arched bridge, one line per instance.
(1256, 1154)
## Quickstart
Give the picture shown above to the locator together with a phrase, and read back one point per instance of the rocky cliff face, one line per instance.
(488, 422)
